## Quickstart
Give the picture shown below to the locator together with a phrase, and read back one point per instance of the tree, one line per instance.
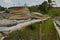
(49, 1)
(49, 4)
(43, 7)
(2, 8)
(33, 8)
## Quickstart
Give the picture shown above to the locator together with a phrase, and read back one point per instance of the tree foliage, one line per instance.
(49, 4)
(33, 8)
(49, 1)
(2, 8)
(44, 7)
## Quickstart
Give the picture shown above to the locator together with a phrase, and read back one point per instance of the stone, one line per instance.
(19, 13)
(18, 17)
(36, 15)
(6, 22)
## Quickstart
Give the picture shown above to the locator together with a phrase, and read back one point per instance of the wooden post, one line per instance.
(40, 31)
(57, 36)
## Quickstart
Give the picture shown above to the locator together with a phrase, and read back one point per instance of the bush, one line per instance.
(53, 13)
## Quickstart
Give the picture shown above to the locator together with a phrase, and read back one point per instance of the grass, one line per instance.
(54, 12)
(48, 30)
(33, 32)
(28, 33)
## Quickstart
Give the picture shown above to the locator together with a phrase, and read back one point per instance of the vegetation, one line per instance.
(49, 4)
(43, 7)
(49, 1)
(33, 8)
(54, 12)
(48, 32)
(28, 33)
(2, 8)
(32, 32)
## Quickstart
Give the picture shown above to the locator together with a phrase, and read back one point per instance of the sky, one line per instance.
(9, 3)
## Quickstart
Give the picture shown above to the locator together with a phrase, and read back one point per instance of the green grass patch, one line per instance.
(48, 30)
(28, 33)
(54, 12)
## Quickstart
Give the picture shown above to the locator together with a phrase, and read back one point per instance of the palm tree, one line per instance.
(49, 1)
(49, 4)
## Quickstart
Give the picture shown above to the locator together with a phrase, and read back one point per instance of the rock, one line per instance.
(4, 15)
(18, 17)
(36, 15)
(57, 18)
(19, 13)
(6, 22)
(1, 17)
